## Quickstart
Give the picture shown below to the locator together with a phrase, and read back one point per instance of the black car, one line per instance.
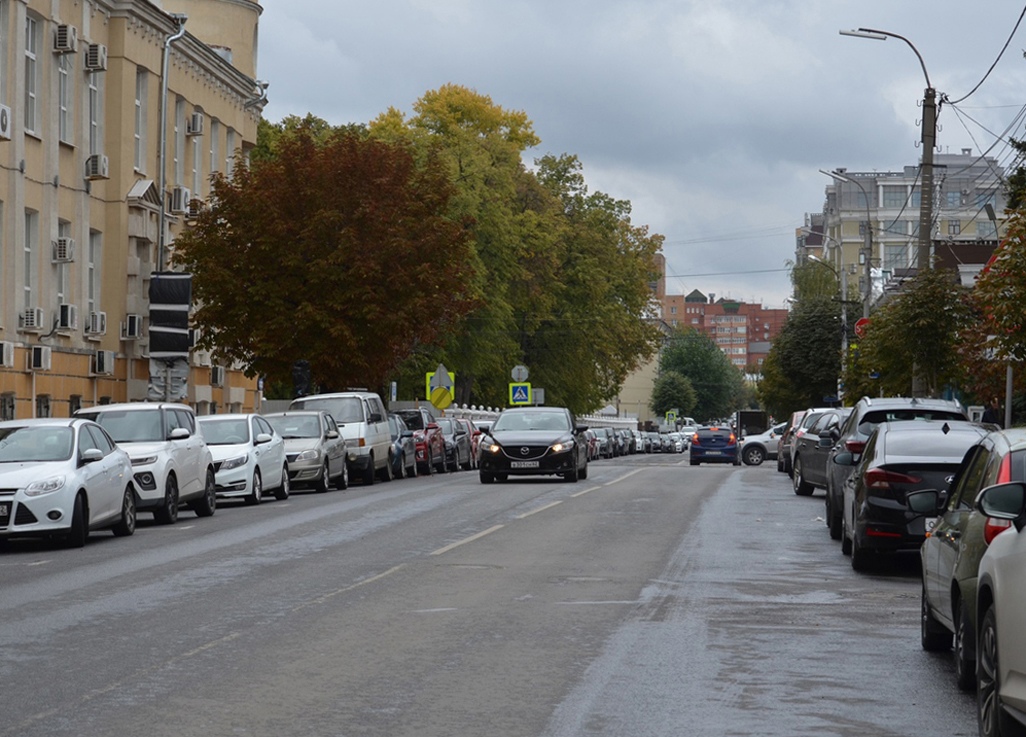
(404, 451)
(811, 448)
(533, 441)
(457, 444)
(898, 458)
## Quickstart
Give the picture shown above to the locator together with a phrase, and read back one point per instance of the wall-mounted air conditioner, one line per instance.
(96, 58)
(7, 354)
(67, 317)
(32, 319)
(97, 167)
(39, 358)
(194, 125)
(63, 250)
(180, 197)
(217, 376)
(97, 324)
(65, 39)
(103, 363)
(131, 328)
(5, 123)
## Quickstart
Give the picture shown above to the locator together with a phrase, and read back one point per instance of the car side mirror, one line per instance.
(1004, 501)
(375, 417)
(431, 426)
(580, 428)
(926, 502)
(826, 439)
(844, 459)
(331, 434)
(406, 434)
(179, 433)
(92, 455)
(263, 438)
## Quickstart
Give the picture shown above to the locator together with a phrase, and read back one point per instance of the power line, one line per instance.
(1000, 54)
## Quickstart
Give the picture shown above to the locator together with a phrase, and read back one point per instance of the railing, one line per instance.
(486, 414)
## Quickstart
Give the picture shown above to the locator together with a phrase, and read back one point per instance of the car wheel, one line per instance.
(933, 635)
(385, 474)
(343, 478)
(861, 559)
(845, 539)
(443, 464)
(694, 462)
(487, 478)
(167, 513)
(400, 470)
(79, 531)
(965, 654)
(833, 520)
(283, 491)
(206, 505)
(989, 712)
(801, 486)
(754, 456)
(368, 473)
(126, 523)
(324, 482)
(584, 472)
(501, 477)
(412, 472)
(258, 490)
(571, 475)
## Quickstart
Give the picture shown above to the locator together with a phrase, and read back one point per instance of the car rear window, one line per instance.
(872, 419)
(930, 443)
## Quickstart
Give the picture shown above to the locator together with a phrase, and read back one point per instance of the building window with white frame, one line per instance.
(986, 229)
(33, 41)
(179, 134)
(894, 195)
(29, 249)
(197, 165)
(63, 268)
(215, 149)
(895, 257)
(229, 154)
(94, 257)
(954, 227)
(141, 90)
(95, 93)
(953, 198)
(65, 89)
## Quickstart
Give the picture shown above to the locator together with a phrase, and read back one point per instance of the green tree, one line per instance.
(306, 255)
(718, 384)
(673, 391)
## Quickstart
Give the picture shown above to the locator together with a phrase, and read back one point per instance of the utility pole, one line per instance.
(923, 260)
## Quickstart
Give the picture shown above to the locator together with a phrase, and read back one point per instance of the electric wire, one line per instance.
(1000, 54)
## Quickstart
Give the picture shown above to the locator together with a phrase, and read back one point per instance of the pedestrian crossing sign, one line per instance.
(519, 394)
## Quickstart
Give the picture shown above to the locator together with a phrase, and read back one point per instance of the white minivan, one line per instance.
(363, 422)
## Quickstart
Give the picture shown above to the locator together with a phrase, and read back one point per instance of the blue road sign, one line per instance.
(519, 394)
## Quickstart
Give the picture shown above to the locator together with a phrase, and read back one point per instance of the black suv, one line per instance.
(853, 434)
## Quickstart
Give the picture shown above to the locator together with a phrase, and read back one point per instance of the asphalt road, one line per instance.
(651, 599)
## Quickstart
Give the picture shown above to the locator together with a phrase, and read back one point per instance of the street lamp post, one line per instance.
(929, 141)
(867, 249)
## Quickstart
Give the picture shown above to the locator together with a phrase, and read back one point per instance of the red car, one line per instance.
(427, 439)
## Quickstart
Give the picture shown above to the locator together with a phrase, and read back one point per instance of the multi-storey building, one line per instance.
(87, 213)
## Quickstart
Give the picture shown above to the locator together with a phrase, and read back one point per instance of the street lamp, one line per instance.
(867, 252)
(842, 278)
(929, 141)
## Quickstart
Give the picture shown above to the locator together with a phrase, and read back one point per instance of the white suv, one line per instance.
(363, 422)
(171, 463)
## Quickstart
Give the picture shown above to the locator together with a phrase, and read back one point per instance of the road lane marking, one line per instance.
(586, 491)
(345, 589)
(539, 509)
(466, 540)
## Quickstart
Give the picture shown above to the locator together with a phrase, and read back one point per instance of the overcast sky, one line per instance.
(712, 117)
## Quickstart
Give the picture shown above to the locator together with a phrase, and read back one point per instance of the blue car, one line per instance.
(714, 444)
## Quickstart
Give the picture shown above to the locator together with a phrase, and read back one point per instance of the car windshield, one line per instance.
(296, 426)
(342, 409)
(446, 424)
(225, 432)
(531, 421)
(130, 426)
(19, 444)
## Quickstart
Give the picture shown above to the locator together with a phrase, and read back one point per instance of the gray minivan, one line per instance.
(363, 422)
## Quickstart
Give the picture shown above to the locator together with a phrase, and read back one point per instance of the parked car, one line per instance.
(404, 450)
(786, 441)
(897, 459)
(1001, 600)
(171, 463)
(714, 444)
(657, 442)
(958, 535)
(533, 441)
(811, 446)
(457, 444)
(757, 448)
(249, 456)
(63, 478)
(428, 440)
(852, 435)
(679, 446)
(316, 452)
(606, 444)
(475, 438)
(363, 422)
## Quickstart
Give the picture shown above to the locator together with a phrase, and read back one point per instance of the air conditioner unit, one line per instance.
(97, 324)
(63, 250)
(5, 123)
(32, 319)
(196, 206)
(97, 167)
(103, 363)
(65, 39)
(39, 358)
(180, 197)
(7, 353)
(194, 126)
(67, 318)
(96, 58)
(131, 328)
(216, 376)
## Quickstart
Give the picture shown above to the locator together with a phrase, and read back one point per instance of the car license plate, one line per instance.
(523, 464)
(5, 513)
(712, 452)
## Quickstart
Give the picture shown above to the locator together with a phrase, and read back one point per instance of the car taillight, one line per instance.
(694, 439)
(732, 440)
(878, 478)
(854, 446)
(1005, 471)
(995, 527)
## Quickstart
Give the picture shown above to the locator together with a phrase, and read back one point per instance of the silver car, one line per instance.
(249, 456)
(63, 478)
(315, 450)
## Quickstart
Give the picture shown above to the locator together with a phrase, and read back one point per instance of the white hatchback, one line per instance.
(249, 456)
(62, 478)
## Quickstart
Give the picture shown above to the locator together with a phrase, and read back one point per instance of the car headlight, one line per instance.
(234, 462)
(309, 455)
(560, 447)
(46, 486)
(492, 448)
(144, 460)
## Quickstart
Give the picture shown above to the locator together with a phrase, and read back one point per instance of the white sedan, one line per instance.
(249, 456)
(63, 478)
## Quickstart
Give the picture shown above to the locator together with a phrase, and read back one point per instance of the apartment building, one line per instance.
(83, 197)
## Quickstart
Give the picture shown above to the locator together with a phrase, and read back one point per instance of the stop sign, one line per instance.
(860, 326)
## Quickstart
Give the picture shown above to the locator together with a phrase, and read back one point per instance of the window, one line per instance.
(953, 198)
(63, 231)
(141, 88)
(197, 165)
(43, 405)
(986, 229)
(954, 227)
(179, 138)
(7, 406)
(215, 150)
(29, 253)
(898, 227)
(986, 197)
(74, 404)
(95, 93)
(673, 310)
(894, 195)
(915, 201)
(65, 87)
(33, 41)
(895, 257)
(229, 164)
(92, 269)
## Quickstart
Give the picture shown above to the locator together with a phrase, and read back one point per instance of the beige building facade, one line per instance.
(82, 196)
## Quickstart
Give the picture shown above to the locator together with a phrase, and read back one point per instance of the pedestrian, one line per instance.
(993, 413)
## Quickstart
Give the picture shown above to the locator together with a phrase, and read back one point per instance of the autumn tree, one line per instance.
(336, 249)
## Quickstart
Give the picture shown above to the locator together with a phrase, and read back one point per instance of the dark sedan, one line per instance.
(533, 441)
(714, 444)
